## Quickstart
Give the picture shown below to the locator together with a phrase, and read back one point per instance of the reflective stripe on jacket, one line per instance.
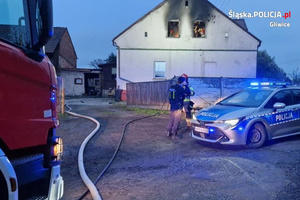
(192, 93)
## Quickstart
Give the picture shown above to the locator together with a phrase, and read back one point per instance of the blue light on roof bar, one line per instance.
(265, 84)
(280, 84)
(254, 84)
(268, 84)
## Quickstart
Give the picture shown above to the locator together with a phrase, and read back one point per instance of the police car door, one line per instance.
(296, 108)
(285, 120)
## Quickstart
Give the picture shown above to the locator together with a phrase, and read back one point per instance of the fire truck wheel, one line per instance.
(3, 187)
(256, 136)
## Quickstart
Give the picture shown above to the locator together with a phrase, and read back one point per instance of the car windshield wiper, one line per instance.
(237, 105)
(229, 104)
(244, 106)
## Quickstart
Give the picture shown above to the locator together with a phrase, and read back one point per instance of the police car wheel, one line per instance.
(256, 136)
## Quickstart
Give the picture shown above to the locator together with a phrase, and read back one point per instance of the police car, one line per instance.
(250, 117)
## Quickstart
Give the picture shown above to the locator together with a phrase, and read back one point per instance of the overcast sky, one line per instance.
(93, 24)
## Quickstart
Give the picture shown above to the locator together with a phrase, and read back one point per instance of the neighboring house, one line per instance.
(60, 50)
(185, 36)
(77, 82)
(62, 54)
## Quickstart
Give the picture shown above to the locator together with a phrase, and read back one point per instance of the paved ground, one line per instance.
(152, 166)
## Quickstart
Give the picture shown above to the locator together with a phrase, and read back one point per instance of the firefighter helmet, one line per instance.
(185, 76)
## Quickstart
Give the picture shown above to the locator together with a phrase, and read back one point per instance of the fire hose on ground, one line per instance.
(116, 151)
(90, 185)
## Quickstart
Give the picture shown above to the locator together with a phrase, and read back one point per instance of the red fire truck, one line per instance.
(30, 151)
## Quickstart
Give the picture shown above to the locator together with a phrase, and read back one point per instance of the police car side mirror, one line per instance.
(278, 105)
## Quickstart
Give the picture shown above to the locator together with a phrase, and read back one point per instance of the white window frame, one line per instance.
(159, 69)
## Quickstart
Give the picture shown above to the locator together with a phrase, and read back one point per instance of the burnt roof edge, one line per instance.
(212, 5)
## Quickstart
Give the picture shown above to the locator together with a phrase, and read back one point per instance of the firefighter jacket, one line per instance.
(177, 95)
(192, 93)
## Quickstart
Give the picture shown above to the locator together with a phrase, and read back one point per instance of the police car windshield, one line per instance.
(247, 98)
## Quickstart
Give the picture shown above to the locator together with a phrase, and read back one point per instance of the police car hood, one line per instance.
(221, 112)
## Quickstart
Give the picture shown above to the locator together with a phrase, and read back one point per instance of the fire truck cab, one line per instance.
(30, 150)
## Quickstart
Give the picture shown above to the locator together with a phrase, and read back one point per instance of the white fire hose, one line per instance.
(90, 185)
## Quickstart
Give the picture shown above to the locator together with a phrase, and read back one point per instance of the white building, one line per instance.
(185, 36)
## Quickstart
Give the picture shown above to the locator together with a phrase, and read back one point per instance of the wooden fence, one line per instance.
(153, 94)
(207, 91)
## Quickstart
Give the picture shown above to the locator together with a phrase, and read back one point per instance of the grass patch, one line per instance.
(145, 111)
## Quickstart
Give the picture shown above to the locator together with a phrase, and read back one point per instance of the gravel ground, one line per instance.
(152, 166)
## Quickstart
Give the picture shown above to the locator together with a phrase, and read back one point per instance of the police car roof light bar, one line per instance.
(268, 84)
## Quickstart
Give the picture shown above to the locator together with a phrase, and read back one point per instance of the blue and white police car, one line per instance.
(262, 112)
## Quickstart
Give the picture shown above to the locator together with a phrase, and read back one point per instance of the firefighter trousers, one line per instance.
(174, 121)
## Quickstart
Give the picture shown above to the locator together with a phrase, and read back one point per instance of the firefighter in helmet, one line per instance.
(187, 103)
(177, 93)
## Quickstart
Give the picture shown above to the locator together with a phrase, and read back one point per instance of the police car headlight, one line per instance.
(232, 122)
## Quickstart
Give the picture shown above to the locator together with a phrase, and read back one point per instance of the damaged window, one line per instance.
(173, 29)
(199, 29)
(159, 69)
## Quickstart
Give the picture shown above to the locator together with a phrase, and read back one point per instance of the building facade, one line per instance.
(185, 36)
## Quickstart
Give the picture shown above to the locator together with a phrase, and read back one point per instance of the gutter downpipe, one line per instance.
(118, 64)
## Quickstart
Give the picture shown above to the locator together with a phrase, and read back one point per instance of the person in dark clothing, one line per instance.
(187, 103)
(177, 94)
